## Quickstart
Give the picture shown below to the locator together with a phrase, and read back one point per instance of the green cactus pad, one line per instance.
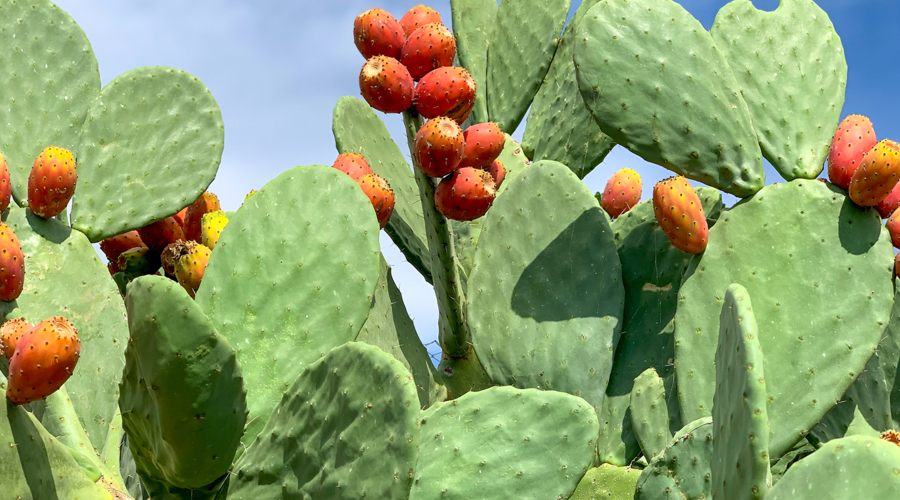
(656, 84)
(346, 429)
(522, 44)
(472, 24)
(112, 451)
(852, 467)
(819, 269)
(182, 395)
(791, 69)
(357, 129)
(50, 80)
(58, 259)
(559, 127)
(740, 455)
(497, 444)
(682, 470)
(649, 413)
(607, 482)
(151, 144)
(285, 294)
(389, 328)
(889, 356)
(513, 159)
(800, 451)
(547, 228)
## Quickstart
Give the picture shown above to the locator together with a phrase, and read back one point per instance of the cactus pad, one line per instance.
(649, 414)
(682, 470)
(607, 482)
(472, 24)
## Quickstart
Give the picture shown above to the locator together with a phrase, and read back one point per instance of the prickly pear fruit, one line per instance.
(114, 246)
(10, 333)
(379, 191)
(497, 171)
(679, 213)
(5, 186)
(891, 437)
(352, 164)
(893, 227)
(213, 224)
(12, 264)
(623, 191)
(160, 233)
(113, 267)
(877, 175)
(446, 92)
(465, 195)
(44, 359)
(207, 202)
(189, 268)
(169, 255)
(249, 195)
(897, 265)
(439, 147)
(417, 16)
(386, 85)
(138, 261)
(51, 183)
(179, 217)
(484, 143)
(853, 139)
(889, 205)
(429, 47)
(377, 33)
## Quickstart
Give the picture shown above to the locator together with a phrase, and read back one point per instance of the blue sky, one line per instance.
(278, 67)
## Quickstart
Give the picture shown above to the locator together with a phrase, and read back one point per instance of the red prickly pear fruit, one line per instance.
(51, 183)
(877, 175)
(382, 196)
(206, 203)
(497, 171)
(446, 92)
(439, 147)
(377, 33)
(418, 16)
(191, 265)
(352, 164)
(12, 265)
(10, 333)
(179, 217)
(44, 359)
(893, 227)
(679, 213)
(853, 139)
(114, 246)
(386, 85)
(465, 195)
(484, 143)
(429, 47)
(622, 193)
(113, 267)
(5, 186)
(897, 265)
(160, 233)
(890, 204)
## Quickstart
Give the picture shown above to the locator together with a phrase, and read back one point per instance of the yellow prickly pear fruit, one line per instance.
(189, 268)
(249, 195)
(211, 227)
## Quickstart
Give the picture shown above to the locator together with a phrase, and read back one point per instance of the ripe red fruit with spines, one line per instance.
(377, 33)
(877, 175)
(380, 194)
(889, 205)
(205, 203)
(484, 143)
(44, 359)
(897, 265)
(446, 92)
(428, 47)
(438, 147)
(679, 213)
(113, 267)
(159, 234)
(497, 171)
(418, 16)
(853, 139)
(352, 164)
(5, 186)
(51, 183)
(465, 195)
(893, 227)
(10, 333)
(114, 246)
(386, 85)
(179, 217)
(12, 265)
(622, 193)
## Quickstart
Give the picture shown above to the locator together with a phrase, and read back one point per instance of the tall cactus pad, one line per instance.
(522, 44)
(656, 83)
(820, 279)
(357, 129)
(547, 228)
(50, 80)
(513, 159)
(790, 67)
(473, 21)
(153, 139)
(291, 278)
(59, 259)
(740, 456)
(346, 429)
(607, 482)
(682, 470)
(182, 395)
(649, 414)
(852, 467)
(498, 444)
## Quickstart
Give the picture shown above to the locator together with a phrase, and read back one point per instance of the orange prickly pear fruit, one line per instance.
(418, 16)
(44, 359)
(5, 186)
(12, 265)
(114, 246)
(877, 175)
(352, 164)
(207, 202)
(382, 196)
(465, 195)
(890, 204)
(377, 33)
(191, 265)
(428, 47)
(159, 234)
(484, 143)
(497, 171)
(893, 227)
(439, 147)
(446, 92)
(386, 85)
(852, 140)
(680, 215)
(51, 183)
(179, 217)
(10, 333)
(622, 193)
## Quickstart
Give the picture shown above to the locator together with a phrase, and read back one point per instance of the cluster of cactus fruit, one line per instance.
(593, 345)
